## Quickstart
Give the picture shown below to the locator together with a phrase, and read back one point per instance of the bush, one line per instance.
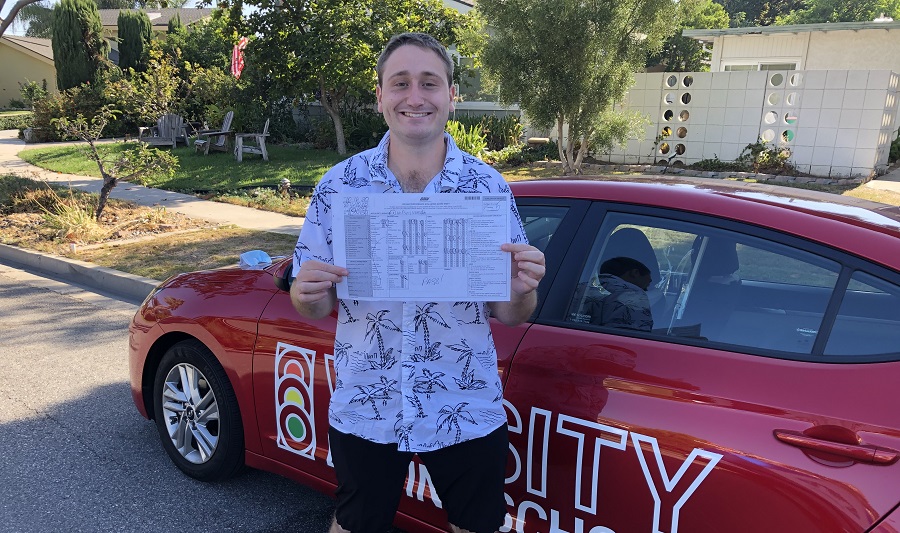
(500, 132)
(471, 139)
(894, 153)
(17, 104)
(15, 122)
(760, 157)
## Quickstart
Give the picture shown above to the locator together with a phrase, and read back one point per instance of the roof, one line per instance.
(35, 45)
(867, 228)
(705, 35)
(158, 17)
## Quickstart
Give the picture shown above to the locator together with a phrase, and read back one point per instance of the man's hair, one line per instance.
(422, 40)
(620, 265)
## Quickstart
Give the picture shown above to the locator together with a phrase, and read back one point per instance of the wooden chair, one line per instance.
(168, 130)
(215, 139)
(258, 145)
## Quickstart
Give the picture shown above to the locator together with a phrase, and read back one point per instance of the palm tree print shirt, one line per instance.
(419, 374)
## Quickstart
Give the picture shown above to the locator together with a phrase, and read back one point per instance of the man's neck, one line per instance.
(415, 166)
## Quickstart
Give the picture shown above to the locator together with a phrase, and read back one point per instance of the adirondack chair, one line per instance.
(258, 145)
(168, 130)
(215, 139)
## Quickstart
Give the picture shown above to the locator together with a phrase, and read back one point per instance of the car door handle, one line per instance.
(857, 452)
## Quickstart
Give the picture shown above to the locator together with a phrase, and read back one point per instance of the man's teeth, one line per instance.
(416, 115)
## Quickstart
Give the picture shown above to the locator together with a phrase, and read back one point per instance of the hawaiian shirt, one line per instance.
(417, 373)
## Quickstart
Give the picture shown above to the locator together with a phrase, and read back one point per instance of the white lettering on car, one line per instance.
(294, 373)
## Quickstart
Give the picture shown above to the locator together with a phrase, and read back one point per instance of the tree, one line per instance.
(683, 54)
(326, 50)
(37, 19)
(129, 165)
(758, 12)
(79, 48)
(175, 25)
(14, 10)
(818, 11)
(134, 39)
(567, 62)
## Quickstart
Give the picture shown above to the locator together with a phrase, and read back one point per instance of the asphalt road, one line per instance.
(75, 455)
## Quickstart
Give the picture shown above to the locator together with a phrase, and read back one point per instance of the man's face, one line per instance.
(415, 95)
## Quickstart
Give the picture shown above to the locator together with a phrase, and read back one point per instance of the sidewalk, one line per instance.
(129, 286)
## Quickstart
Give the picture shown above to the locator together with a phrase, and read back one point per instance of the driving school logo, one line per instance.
(294, 372)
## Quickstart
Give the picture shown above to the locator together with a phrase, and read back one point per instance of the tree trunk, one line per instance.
(560, 145)
(108, 184)
(329, 102)
(582, 151)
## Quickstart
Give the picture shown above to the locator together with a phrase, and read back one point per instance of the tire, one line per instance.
(197, 413)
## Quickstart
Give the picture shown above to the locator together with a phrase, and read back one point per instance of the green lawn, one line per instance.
(196, 172)
(15, 112)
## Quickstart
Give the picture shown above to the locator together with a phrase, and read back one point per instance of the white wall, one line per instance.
(837, 123)
(867, 49)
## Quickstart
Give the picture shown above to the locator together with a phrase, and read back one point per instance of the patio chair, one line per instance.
(167, 132)
(215, 139)
(257, 146)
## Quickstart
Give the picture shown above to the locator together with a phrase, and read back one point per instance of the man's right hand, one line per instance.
(312, 292)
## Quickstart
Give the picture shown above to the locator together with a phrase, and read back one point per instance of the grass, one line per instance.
(217, 172)
(14, 113)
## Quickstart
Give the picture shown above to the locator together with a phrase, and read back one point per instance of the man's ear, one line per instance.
(378, 97)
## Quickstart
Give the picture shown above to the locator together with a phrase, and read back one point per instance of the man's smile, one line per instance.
(414, 115)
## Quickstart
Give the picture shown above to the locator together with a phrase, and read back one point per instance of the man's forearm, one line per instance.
(516, 311)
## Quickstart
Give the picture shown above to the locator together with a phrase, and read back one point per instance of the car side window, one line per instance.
(672, 278)
(868, 320)
(541, 222)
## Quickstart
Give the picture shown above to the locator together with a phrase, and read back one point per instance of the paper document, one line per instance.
(431, 247)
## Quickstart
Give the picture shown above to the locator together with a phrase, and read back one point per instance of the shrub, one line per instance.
(15, 122)
(761, 157)
(509, 156)
(471, 139)
(17, 104)
(499, 132)
(33, 91)
(894, 153)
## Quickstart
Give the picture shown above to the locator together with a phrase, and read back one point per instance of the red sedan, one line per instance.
(755, 390)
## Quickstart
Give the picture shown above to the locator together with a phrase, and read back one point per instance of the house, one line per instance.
(24, 59)
(159, 21)
(828, 46)
(826, 92)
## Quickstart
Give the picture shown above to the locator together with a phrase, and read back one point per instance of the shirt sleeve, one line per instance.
(314, 241)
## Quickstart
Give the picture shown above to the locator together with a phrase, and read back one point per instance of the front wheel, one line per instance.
(197, 413)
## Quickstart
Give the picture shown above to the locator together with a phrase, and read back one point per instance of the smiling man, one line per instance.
(407, 354)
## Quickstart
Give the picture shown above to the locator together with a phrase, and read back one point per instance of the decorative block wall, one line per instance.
(837, 123)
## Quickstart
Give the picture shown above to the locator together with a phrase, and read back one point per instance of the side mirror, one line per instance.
(284, 278)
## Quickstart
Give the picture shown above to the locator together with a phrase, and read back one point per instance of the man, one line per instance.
(431, 365)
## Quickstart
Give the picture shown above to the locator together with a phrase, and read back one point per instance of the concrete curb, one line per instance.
(90, 275)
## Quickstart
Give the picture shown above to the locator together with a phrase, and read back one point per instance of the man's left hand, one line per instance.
(527, 267)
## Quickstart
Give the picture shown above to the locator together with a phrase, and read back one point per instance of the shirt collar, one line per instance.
(449, 177)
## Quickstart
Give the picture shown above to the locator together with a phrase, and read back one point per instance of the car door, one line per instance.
(755, 401)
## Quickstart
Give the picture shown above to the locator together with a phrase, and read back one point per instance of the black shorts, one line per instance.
(468, 477)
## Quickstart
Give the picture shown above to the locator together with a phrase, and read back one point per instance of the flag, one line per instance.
(237, 57)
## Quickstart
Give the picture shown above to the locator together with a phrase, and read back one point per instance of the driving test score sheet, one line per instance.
(431, 247)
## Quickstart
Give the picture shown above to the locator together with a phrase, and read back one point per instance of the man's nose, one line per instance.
(415, 96)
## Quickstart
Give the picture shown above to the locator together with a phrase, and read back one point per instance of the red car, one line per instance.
(758, 394)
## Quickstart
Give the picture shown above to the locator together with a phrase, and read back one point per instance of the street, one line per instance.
(77, 456)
